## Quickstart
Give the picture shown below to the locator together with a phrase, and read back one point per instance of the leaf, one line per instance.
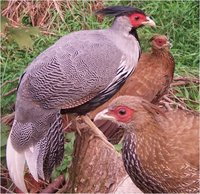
(3, 152)
(4, 134)
(69, 149)
(70, 143)
(32, 31)
(118, 147)
(4, 23)
(22, 36)
(186, 93)
(67, 156)
(3, 4)
(4, 137)
(71, 136)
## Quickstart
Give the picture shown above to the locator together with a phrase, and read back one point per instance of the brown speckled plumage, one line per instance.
(150, 80)
(160, 150)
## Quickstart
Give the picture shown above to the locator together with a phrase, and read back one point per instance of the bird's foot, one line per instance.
(65, 129)
(79, 125)
(96, 131)
(121, 140)
(166, 105)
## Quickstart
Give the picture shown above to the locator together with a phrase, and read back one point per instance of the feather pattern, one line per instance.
(160, 149)
(41, 150)
(31, 157)
(51, 149)
(69, 74)
(151, 80)
(15, 163)
(82, 67)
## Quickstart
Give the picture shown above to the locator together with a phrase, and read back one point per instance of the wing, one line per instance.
(72, 71)
(186, 138)
(151, 79)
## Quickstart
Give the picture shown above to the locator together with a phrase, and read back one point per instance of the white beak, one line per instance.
(149, 22)
(170, 44)
(103, 116)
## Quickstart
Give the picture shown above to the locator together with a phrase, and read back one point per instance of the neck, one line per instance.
(135, 154)
(147, 132)
(166, 58)
(160, 52)
(134, 33)
(141, 149)
(122, 25)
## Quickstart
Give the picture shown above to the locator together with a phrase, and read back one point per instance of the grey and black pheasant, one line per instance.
(78, 73)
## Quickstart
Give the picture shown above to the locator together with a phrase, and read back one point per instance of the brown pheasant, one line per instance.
(160, 150)
(150, 80)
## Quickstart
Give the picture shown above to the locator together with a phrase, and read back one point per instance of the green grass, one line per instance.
(178, 19)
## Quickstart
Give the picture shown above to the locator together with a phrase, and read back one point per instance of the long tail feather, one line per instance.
(15, 164)
(51, 149)
(31, 156)
(41, 157)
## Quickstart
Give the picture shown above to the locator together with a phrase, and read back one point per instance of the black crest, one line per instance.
(119, 11)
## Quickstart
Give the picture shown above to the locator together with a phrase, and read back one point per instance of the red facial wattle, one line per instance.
(136, 19)
(160, 42)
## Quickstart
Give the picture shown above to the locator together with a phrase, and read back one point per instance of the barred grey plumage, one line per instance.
(51, 149)
(78, 73)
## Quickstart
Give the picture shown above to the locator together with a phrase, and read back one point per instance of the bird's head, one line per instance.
(136, 17)
(160, 42)
(130, 112)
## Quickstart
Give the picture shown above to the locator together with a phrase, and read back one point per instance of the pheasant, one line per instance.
(151, 80)
(160, 149)
(75, 75)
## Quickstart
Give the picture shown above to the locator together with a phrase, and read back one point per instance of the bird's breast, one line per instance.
(135, 169)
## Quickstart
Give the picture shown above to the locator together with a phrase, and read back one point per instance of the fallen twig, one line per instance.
(55, 185)
(172, 102)
(186, 79)
(58, 10)
(9, 81)
(49, 33)
(8, 119)
(3, 188)
(182, 81)
(10, 92)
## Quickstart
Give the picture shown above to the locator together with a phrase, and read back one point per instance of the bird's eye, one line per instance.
(122, 112)
(137, 18)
